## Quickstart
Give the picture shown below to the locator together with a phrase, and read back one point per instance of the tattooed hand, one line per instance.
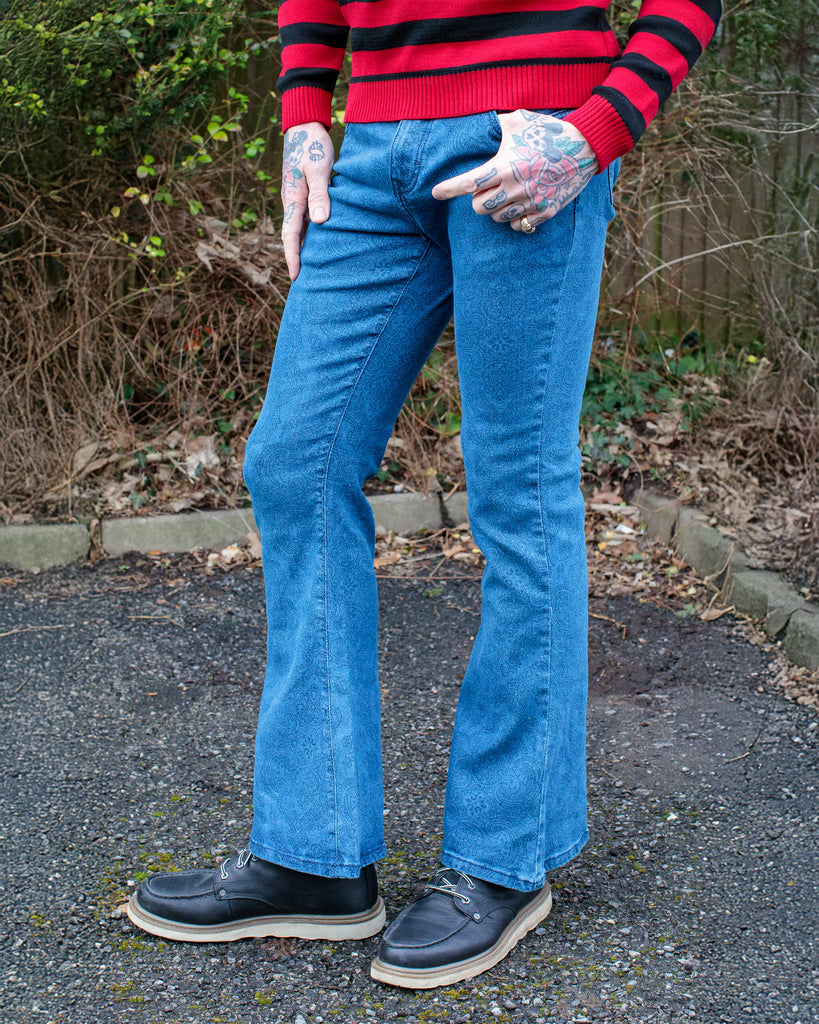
(541, 165)
(306, 167)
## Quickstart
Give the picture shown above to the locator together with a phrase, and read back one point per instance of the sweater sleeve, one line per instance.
(665, 40)
(313, 36)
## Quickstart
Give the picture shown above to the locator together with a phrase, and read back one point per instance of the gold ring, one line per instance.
(526, 226)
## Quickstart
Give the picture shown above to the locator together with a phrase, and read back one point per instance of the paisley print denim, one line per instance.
(379, 281)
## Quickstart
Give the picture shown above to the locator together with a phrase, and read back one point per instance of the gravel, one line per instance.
(128, 727)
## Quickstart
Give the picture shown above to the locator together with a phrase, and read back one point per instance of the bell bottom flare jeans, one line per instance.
(379, 282)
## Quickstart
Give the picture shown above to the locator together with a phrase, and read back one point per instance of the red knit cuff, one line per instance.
(603, 128)
(306, 103)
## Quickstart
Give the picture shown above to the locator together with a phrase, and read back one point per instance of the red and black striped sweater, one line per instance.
(444, 58)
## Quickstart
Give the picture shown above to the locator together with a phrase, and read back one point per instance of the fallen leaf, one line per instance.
(605, 497)
(83, 456)
(715, 613)
(201, 455)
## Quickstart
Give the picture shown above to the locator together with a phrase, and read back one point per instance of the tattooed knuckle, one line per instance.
(490, 175)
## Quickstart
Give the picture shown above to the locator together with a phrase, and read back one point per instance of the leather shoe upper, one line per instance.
(246, 886)
(454, 918)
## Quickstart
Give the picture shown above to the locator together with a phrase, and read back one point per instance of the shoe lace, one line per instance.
(441, 884)
(241, 860)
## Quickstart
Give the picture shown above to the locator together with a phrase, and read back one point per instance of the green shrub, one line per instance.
(87, 78)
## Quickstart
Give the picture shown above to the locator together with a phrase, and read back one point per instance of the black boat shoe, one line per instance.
(458, 927)
(246, 896)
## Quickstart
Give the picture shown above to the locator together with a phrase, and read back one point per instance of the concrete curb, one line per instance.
(761, 595)
(764, 596)
(43, 547)
(175, 533)
(34, 547)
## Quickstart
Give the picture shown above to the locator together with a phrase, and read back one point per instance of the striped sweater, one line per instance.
(445, 58)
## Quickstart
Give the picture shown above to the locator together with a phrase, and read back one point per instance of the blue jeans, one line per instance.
(379, 281)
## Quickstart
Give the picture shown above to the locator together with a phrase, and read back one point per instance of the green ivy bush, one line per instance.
(84, 79)
(140, 282)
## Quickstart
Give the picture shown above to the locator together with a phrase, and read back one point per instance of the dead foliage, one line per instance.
(716, 231)
(129, 382)
(99, 344)
(769, 506)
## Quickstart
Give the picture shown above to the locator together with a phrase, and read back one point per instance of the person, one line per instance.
(482, 143)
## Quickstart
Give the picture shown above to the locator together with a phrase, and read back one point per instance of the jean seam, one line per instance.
(324, 542)
(568, 852)
(557, 860)
(400, 197)
(611, 179)
(548, 578)
(497, 128)
(368, 857)
(485, 867)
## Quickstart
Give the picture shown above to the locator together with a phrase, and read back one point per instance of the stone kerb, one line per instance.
(175, 533)
(43, 547)
(759, 594)
(33, 547)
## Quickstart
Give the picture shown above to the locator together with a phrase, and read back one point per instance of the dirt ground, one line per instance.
(129, 690)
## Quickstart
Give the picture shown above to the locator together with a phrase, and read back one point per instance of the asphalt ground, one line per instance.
(129, 693)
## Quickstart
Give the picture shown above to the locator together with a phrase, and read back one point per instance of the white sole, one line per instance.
(291, 926)
(450, 974)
